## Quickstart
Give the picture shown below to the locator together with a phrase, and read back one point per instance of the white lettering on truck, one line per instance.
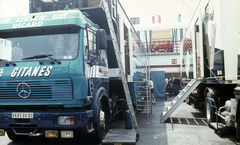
(4, 21)
(30, 24)
(30, 21)
(30, 72)
(1, 71)
(59, 16)
(30, 18)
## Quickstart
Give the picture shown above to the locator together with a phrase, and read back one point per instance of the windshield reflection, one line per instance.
(61, 46)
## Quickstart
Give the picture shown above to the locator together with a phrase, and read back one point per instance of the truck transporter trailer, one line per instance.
(62, 65)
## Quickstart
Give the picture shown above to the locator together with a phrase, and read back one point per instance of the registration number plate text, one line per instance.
(27, 115)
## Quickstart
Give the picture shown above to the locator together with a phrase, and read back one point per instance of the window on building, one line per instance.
(159, 18)
(179, 17)
(135, 20)
(138, 33)
(153, 19)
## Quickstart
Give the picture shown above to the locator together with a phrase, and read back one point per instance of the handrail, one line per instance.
(164, 46)
(215, 106)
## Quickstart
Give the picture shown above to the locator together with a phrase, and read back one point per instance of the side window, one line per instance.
(90, 47)
(85, 44)
(103, 56)
(92, 42)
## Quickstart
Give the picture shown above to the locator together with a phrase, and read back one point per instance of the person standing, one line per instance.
(150, 84)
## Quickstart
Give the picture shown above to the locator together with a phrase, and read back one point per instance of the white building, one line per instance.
(161, 24)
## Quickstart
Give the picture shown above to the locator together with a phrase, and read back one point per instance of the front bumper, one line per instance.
(45, 120)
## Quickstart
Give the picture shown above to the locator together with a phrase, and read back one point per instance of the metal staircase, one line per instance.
(179, 99)
(120, 65)
(142, 96)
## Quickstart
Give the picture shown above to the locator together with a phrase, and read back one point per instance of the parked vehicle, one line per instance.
(210, 49)
(59, 67)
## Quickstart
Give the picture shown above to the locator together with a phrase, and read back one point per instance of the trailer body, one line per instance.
(210, 51)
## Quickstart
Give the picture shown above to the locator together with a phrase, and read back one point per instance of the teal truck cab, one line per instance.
(53, 76)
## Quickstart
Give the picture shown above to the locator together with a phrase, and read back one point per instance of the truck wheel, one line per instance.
(238, 129)
(238, 121)
(14, 137)
(221, 133)
(137, 136)
(100, 125)
(210, 111)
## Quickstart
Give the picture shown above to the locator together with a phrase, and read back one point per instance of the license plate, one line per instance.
(27, 115)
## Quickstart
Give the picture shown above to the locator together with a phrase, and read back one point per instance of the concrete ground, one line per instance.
(191, 129)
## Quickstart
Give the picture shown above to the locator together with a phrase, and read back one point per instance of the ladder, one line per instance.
(121, 70)
(179, 99)
(142, 96)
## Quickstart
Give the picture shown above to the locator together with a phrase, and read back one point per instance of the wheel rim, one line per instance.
(102, 120)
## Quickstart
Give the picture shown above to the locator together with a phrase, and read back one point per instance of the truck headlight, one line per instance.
(2, 132)
(66, 134)
(51, 134)
(66, 120)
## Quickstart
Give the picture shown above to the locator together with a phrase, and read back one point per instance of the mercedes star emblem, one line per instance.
(23, 90)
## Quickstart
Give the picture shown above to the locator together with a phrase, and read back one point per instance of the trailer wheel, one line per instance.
(221, 133)
(14, 137)
(238, 121)
(100, 124)
(137, 136)
(209, 110)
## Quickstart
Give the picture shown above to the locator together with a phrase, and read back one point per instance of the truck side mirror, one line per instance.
(102, 39)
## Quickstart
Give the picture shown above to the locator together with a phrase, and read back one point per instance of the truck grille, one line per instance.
(42, 89)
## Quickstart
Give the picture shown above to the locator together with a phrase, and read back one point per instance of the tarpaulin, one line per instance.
(158, 78)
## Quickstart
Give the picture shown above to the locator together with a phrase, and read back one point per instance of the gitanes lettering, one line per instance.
(32, 72)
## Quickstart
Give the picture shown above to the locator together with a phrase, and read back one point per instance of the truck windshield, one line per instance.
(59, 42)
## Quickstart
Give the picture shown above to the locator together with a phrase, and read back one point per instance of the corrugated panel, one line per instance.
(41, 89)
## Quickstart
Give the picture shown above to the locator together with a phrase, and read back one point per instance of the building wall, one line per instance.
(161, 21)
(169, 63)
(168, 10)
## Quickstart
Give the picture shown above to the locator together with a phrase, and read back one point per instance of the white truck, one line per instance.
(210, 53)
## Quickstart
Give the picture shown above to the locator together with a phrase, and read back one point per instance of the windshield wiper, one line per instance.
(43, 56)
(8, 63)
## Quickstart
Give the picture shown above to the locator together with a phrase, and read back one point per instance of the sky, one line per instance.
(13, 7)
(132, 7)
(136, 7)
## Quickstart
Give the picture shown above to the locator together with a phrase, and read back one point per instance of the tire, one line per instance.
(238, 129)
(238, 121)
(190, 100)
(14, 137)
(100, 125)
(209, 111)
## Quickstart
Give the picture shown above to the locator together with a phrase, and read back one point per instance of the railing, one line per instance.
(162, 46)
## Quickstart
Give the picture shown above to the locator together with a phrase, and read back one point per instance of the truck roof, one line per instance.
(66, 17)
